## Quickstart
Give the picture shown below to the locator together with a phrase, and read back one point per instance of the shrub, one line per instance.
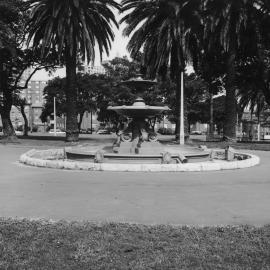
(34, 128)
(166, 131)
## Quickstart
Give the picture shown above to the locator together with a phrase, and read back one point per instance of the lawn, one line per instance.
(28, 244)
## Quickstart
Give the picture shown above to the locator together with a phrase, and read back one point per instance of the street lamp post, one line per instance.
(31, 116)
(182, 131)
(91, 123)
(54, 115)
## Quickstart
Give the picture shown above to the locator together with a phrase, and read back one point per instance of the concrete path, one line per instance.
(208, 198)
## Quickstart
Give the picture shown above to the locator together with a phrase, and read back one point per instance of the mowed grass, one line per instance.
(35, 245)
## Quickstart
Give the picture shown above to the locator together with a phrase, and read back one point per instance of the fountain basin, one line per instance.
(55, 158)
(151, 152)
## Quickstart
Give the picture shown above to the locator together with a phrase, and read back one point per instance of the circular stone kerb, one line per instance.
(54, 158)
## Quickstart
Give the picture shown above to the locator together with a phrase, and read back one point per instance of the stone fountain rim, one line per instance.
(28, 159)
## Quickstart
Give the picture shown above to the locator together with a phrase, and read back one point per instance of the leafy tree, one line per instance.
(164, 30)
(195, 96)
(121, 69)
(56, 89)
(95, 92)
(72, 27)
(17, 65)
(15, 59)
(10, 19)
(100, 91)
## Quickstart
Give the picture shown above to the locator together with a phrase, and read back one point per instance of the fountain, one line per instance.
(138, 131)
(137, 148)
(136, 140)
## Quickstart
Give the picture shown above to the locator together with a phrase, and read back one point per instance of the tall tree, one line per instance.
(211, 68)
(15, 80)
(11, 23)
(72, 27)
(15, 59)
(232, 25)
(164, 29)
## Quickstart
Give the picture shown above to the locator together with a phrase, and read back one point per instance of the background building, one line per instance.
(94, 69)
(33, 95)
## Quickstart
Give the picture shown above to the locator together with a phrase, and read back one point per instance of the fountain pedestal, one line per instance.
(138, 128)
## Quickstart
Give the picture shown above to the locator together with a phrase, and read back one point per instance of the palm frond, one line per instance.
(69, 26)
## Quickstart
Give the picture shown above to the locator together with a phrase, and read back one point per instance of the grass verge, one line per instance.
(28, 244)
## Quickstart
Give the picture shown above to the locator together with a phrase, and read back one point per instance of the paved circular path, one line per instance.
(199, 198)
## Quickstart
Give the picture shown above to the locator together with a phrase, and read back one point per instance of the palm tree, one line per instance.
(164, 30)
(263, 57)
(231, 24)
(210, 68)
(71, 27)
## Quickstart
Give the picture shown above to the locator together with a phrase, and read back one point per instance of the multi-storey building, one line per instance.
(94, 69)
(34, 98)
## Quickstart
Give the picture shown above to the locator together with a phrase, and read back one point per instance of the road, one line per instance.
(199, 198)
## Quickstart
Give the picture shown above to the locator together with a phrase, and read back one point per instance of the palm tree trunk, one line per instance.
(178, 107)
(211, 120)
(230, 100)
(72, 132)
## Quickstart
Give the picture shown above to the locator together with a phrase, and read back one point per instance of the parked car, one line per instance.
(266, 136)
(83, 131)
(104, 131)
(58, 131)
(18, 132)
(90, 131)
(196, 132)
